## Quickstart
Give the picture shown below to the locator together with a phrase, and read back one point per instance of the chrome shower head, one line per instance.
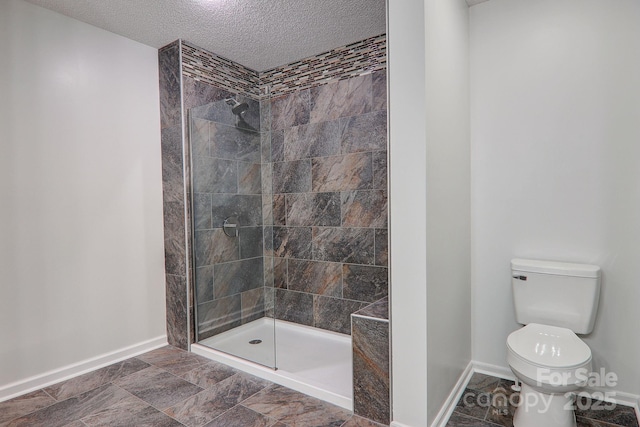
(237, 108)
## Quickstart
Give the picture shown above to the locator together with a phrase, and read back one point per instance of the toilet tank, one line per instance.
(556, 293)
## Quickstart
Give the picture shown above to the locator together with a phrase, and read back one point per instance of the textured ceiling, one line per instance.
(259, 34)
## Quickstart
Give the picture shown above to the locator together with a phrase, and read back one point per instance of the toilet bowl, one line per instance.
(553, 364)
(555, 301)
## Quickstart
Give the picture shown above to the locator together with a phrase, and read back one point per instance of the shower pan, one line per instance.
(233, 271)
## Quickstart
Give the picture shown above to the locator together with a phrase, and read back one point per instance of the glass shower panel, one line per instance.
(228, 230)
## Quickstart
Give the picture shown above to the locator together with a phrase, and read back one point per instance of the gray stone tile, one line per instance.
(268, 240)
(214, 246)
(364, 283)
(208, 404)
(586, 422)
(204, 284)
(202, 211)
(459, 420)
(249, 178)
(252, 304)
(232, 143)
(357, 421)
(72, 409)
(219, 315)
(217, 111)
(169, 70)
(157, 387)
(334, 314)
(172, 164)
(346, 98)
(280, 273)
(279, 209)
(251, 239)
(174, 360)
(130, 411)
(312, 140)
(209, 374)
(267, 178)
(296, 409)
(321, 278)
(265, 115)
(24, 404)
(376, 310)
(474, 403)
(199, 137)
(342, 173)
(379, 90)
(268, 271)
(247, 209)
(371, 367)
(306, 209)
(174, 239)
(292, 177)
(380, 170)
(235, 277)
(277, 146)
(381, 247)
(265, 147)
(197, 93)
(241, 416)
(267, 209)
(367, 132)
(292, 242)
(290, 110)
(364, 208)
(215, 175)
(596, 410)
(94, 379)
(482, 382)
(294, 307)
(349, 245)
(176, 307)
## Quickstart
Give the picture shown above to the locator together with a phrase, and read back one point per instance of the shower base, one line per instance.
(310, 360)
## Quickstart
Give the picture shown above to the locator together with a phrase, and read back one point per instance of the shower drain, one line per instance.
(255, 341)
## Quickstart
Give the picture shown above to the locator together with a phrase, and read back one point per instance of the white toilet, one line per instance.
(555, 301)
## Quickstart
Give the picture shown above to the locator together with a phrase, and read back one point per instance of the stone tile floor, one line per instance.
(481, 405)
(169, 387)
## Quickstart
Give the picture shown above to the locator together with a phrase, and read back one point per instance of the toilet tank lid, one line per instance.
(557, 268)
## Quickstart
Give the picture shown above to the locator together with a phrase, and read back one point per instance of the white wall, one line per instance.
(429, 204)
(81, 244)
(448, 198)
(407, 211)
(555, 131)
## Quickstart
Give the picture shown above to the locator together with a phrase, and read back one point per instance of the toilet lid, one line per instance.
(549, 346)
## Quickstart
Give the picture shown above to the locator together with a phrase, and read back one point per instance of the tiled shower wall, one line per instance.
(229, 278)
(323, 178)
(329, 205)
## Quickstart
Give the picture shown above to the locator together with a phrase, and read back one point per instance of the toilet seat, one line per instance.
(548, 356)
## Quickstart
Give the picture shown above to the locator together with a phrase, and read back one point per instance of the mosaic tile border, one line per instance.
(208, 67)
(353, 60)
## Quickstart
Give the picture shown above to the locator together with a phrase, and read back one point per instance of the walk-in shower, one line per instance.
(233, 269)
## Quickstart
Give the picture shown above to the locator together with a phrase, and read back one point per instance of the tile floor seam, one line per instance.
(34, 411)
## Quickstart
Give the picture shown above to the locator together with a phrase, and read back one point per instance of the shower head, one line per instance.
(240, 108)
(237, 108)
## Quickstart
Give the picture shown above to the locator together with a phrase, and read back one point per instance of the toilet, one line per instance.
(555, 301)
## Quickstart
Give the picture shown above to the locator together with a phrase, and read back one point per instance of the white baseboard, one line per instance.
(445, 412)
(397, 424)
(46, 379)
